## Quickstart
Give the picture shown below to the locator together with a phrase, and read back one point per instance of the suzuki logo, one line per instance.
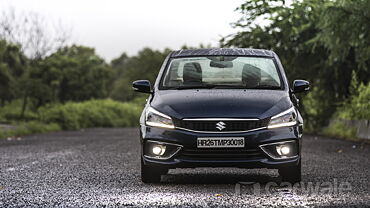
(220, 125)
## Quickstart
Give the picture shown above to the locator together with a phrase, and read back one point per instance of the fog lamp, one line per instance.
(158, 149)
(283, 149)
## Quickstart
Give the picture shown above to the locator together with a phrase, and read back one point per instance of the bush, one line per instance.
(339, 130)
(358, 107)
(12, 112)
(93, 113)
(73, 115)
(316, 109)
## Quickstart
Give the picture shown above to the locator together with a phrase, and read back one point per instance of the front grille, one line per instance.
(229, 125)
(221, 154)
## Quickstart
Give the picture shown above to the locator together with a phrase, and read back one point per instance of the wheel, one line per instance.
(151, 174)
(291, 174)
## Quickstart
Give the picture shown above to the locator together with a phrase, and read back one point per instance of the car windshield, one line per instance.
(222, 72)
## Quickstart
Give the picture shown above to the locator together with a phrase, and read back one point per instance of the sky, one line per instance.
(116, 26)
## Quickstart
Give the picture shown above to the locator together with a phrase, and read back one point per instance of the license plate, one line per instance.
(220, 142)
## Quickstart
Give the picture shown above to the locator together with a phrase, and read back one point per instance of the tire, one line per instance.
(291, 174)
(151, 174)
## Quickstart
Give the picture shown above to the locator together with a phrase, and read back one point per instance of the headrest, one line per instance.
(251, 76)
(192, 73)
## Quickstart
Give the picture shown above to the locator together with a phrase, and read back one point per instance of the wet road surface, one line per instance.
(100, 167)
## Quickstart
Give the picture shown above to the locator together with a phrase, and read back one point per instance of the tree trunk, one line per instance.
(24, 106)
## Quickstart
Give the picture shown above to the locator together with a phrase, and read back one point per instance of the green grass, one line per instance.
(12, 112)
(72, 116)
(339, 130)
(94, 113)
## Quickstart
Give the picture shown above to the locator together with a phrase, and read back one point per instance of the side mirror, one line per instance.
(142, 86)
(300, 86)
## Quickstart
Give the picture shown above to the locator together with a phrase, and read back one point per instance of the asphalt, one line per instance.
(100, 168)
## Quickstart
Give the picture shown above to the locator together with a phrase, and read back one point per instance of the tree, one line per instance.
(6, 80)
(145, 65)
(36, 35)
(299, 32)
(12, 67)
(345, 31)
(75, 73)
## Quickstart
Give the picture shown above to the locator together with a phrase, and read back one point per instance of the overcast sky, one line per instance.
(116, 26)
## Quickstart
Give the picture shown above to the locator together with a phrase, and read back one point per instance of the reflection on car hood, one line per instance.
(221, 103)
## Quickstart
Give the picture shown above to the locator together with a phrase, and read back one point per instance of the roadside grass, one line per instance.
(357, 107)
(94, 113)
(27, 128)
(72, 116)
(339, 130)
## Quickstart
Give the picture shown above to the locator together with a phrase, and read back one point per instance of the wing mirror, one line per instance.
(300, 86)
(142, 86)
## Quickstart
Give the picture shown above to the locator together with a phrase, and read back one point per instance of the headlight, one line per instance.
(158, 119)
(286, 118)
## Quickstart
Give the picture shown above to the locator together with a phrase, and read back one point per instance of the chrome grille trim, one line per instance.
(220, 119)
(221, 132)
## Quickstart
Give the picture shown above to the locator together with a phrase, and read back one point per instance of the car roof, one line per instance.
(223, 52)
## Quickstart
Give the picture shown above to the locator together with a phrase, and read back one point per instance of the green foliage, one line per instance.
(12, 66)
(31, 127)
(344, 30)
(358, 106)
(54, 90)
(11, 112)
(313, 107)
(73, 73)
(72, 115)
(122, 90)
(145, 65)
(6, 81)
(339, 130)
(140, 100)
(93, 113)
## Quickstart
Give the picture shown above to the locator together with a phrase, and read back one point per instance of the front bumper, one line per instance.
(251, 156)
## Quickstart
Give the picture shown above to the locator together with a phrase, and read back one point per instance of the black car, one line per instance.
(221, 108)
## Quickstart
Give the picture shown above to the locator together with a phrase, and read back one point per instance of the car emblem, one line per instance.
(220, 125)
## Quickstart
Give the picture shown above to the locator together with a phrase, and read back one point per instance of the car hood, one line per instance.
(221, 103)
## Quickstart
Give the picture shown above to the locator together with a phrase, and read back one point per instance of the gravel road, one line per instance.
(100, 167)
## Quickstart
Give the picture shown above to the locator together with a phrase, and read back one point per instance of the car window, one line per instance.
(222, 71)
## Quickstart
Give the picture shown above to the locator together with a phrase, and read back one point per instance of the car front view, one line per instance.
(221, 108)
